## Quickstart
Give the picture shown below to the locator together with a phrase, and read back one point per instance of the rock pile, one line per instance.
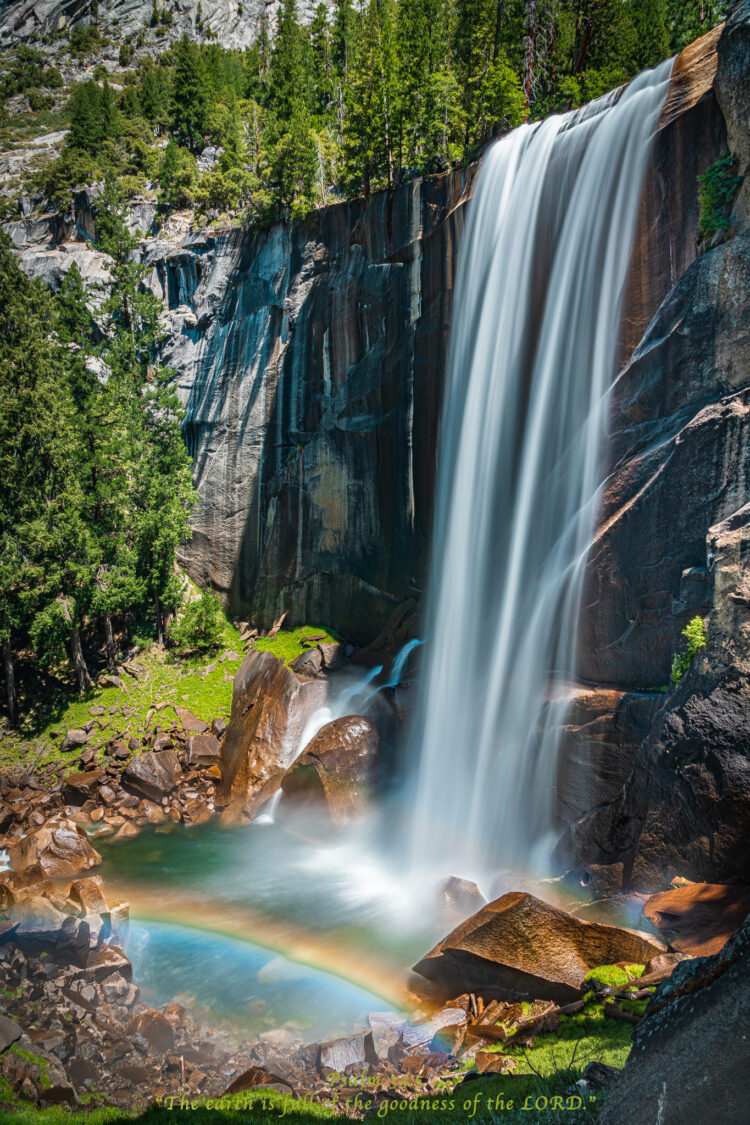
(170, 777)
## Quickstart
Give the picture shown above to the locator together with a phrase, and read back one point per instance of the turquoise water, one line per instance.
(209, 896)
(224, 981)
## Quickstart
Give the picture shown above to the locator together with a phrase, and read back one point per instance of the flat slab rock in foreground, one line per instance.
(520, 948)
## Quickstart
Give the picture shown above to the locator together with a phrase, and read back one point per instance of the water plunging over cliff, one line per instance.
(542, 271)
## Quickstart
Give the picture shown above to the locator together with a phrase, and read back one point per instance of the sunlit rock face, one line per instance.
(233, 24)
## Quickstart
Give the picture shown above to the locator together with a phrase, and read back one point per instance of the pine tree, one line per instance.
(190, 101)
(371, 102)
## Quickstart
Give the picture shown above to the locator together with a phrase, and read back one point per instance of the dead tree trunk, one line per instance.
(159, 621)
(528, 83)
(109, 638)
(10, 681)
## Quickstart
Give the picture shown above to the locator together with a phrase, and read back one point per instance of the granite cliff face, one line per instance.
(310, 361)
(232, 24)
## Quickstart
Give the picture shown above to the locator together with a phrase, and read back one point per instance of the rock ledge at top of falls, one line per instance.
(521, 948)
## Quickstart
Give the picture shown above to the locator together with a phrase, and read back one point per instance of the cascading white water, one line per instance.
(539, 292)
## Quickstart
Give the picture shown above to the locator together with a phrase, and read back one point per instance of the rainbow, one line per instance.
(191, 911)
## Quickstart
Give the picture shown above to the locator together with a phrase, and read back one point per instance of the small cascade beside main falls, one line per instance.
(542, 272)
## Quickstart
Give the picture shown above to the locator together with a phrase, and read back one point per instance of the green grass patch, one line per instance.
(615, 976)
(287, 644)
(163, 678)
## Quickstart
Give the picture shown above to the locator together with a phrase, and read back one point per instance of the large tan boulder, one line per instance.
(520, 948)
(337, 769)
(59, 848)
(270, 706)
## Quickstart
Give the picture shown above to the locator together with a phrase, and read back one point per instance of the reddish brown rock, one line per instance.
(80, 786)
(519, 947)
(699, 918)
(88, 894)
(337, 769)
(191, 722)
(269, 708)
(153, 775)
(154, 1028)
(203, 749)
(60, 848)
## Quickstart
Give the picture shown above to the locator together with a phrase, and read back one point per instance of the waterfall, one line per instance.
(542, 271)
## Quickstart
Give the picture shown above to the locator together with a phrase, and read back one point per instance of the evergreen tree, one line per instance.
(371, 102)
(94, 117)
(190, 100)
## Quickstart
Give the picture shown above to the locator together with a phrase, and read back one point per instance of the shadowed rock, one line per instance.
(689, 1060)
(153, 774)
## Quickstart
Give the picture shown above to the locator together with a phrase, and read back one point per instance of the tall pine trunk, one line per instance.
(79, 660)
(85, 683)
(110, 642)
(10, 681)
(498, 28)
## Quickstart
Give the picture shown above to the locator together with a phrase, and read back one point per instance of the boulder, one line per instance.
(352, 1050)
(10, 1032)
(333, 655)
(689, 1060)
(270, 707)
(460, 897)
(80, 786)
(40, 925)
(520, 948)
(101, 963)
(153, 774)
(88, 895)
(191, 722)
(699, 918)
(154, 1028)
(337, 769)
(60, 848)
(308, 663)
(203, 749)
(74, 739)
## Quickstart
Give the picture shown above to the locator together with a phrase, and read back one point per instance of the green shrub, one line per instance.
(201, 625)
(696, 635)
(718, 185)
